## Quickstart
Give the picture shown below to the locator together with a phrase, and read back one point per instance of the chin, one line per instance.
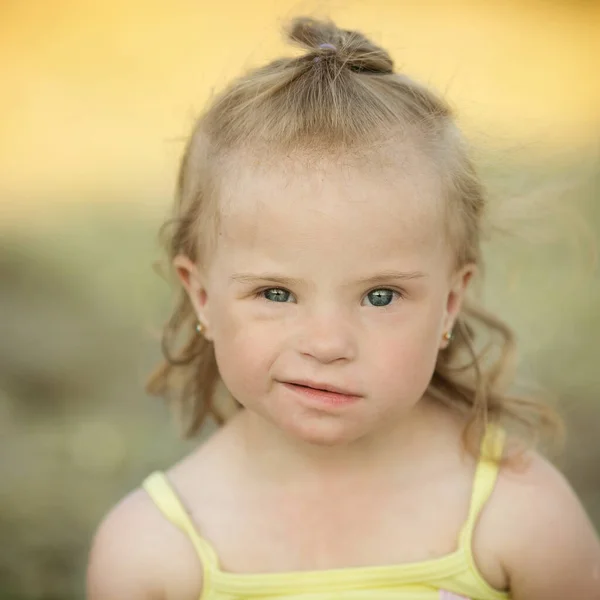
(322, 430)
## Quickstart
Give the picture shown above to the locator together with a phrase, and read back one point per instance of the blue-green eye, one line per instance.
(276, 295)
(381, 297)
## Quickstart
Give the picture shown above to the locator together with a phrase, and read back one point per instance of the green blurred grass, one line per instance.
(80, 311)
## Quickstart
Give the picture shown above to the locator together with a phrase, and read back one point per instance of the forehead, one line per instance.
(388, 203)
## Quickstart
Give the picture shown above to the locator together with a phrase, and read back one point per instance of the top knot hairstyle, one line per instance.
(341, 97)
(350, 49)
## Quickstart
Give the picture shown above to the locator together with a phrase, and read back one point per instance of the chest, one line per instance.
(328, 529)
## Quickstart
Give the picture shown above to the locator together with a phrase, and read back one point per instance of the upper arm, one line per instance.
(551, 551)
(122, 559)
(137, 554)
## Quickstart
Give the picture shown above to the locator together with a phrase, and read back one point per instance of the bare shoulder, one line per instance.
(137, 554)
(545, 541)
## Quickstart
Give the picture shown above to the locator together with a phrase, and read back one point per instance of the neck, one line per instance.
(280, 458)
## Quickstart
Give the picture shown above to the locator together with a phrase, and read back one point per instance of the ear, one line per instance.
(195, 287)
(456, 295)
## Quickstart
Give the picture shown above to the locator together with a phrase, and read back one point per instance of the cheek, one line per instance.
(404, 357)
(243, 355)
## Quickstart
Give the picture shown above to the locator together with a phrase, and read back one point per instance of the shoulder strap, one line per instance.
(165, 498)
(486, 473)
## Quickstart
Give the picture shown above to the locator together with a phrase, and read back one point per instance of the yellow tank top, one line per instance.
(453, 576)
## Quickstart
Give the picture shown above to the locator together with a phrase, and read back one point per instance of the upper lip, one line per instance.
(322, 386)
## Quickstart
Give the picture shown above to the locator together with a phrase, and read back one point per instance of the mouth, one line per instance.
(323, 387)
(321, 395)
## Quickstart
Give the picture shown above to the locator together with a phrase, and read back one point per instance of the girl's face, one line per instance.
(330, 276)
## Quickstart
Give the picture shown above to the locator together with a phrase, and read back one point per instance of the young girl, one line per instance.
(326, 230)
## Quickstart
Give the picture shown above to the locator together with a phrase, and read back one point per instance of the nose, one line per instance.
(327, 337)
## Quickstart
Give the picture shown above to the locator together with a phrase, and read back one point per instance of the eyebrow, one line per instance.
(384, 276)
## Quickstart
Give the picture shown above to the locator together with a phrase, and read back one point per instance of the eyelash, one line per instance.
(400, 295)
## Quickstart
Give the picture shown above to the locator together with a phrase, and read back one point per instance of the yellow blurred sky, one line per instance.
(96, 95)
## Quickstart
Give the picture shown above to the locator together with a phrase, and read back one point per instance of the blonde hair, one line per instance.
(341, 96)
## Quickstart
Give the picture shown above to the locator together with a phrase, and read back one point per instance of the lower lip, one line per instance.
(322, 396)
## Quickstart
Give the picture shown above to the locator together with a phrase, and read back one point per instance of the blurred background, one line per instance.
(97, 99)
